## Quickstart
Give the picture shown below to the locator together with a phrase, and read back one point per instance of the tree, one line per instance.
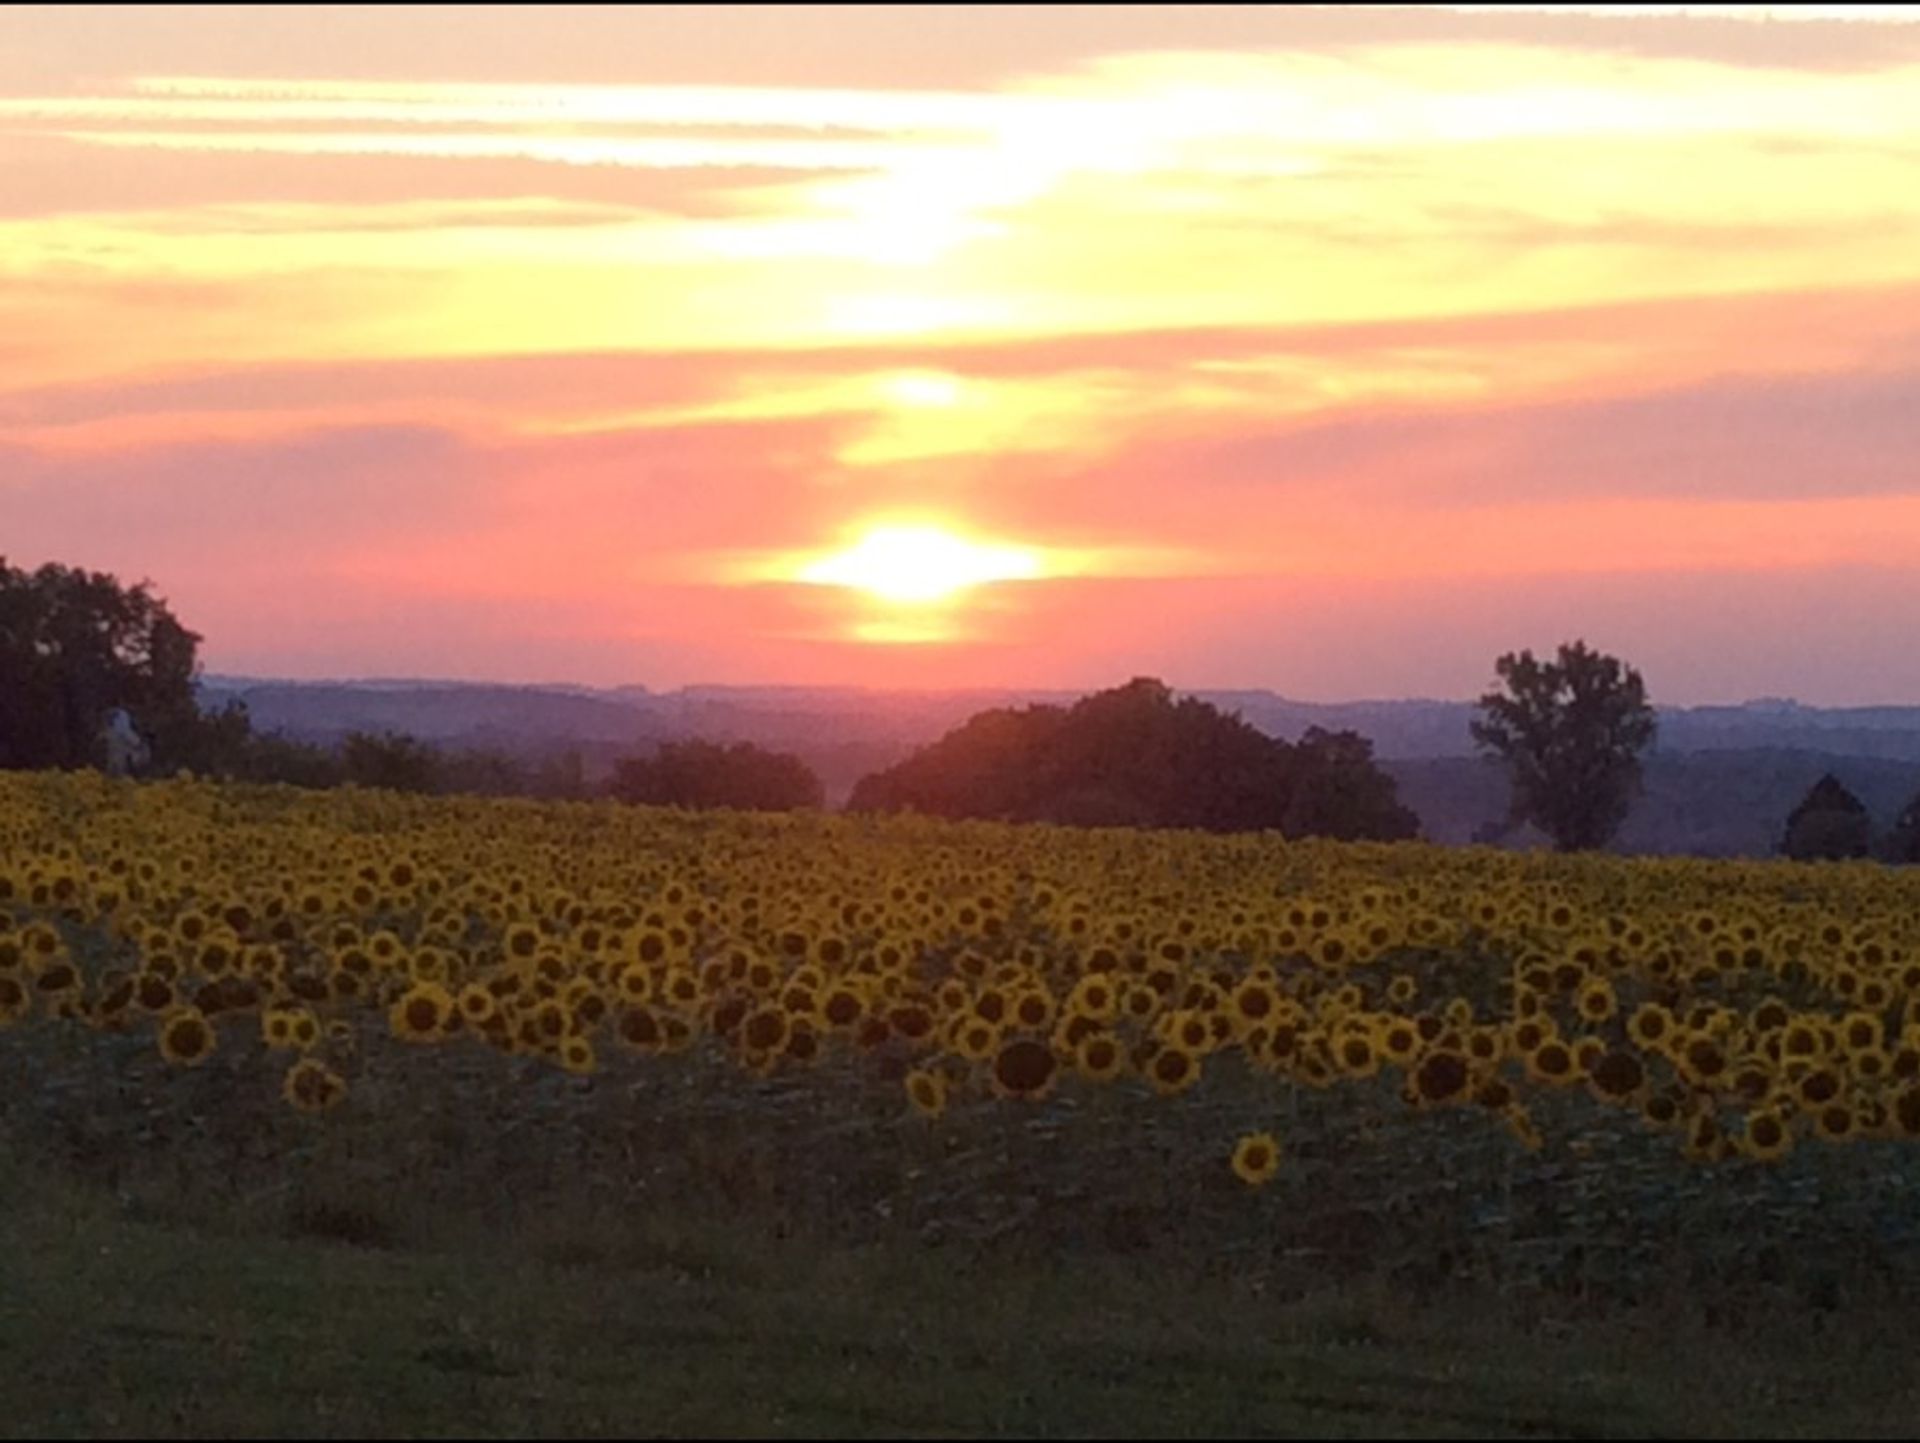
(1342, 793)
(393, 761)
(1571, 732)
(1830, 824)
(698, 773)
(1135, 756)
(1902, 844)
(78, 649)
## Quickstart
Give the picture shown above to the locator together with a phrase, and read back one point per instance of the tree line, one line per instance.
(97, 674)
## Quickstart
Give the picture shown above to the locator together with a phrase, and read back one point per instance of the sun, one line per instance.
(918, 565)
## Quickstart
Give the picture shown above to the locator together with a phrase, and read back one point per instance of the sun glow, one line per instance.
(921, 390)
(919, 564)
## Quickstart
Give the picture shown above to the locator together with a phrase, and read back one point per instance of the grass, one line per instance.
(226, 1324)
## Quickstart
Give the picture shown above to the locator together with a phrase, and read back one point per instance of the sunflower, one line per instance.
(974, 1039)
(1701, 1060)
(422, 1013)
(276, 1029)
(1099, 1057)
(186, 1037)
(1818, 1088)
(1596, 1001)
(1617, 1077)
(1650, 1026)
(477, 1005)
(1860, 1031)
(1442, 1077)
(1399, 1041)
(1096, 997)
(15, 1000)
(1024, 1068)
(1802, 1038)
(1661, 1109)
(927, 1091)
(1531, 1034)
(303, 1028)
(1766, 1137)
(1356, 1054)
(640, 1029)
(312, 1086)
(576, 1055)
(1172, 1070)
(1256, 1158)
(1836, 1122)
(1034, 1009)
(1904, 1116)
(1552, 1062)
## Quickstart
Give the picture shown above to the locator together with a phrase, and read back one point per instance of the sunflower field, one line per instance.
(1592, 1075)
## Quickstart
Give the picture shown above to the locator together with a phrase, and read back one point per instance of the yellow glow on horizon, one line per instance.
(919, 564)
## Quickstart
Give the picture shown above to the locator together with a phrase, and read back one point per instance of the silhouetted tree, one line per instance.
(1571, 732)
(1830, 824)
(1135, 756)
(702, 774)
(392, 760)
(1342, 793)
(1902, 844)
(484, 772)
(561, 778)
(77, 648)
(272, 757)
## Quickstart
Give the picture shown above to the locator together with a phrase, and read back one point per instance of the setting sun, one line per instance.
(919, 564)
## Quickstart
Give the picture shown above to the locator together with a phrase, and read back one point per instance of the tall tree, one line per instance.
(1830, 824)
(77, 647)
(1571, 731)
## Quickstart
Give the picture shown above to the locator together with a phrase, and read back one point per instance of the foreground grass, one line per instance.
(114, 1324)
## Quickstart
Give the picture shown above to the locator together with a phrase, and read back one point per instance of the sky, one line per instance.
(1330, 349)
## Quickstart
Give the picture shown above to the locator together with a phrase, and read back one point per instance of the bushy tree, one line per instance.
(1136, 756)
(393, 761)
(1902, 844)
(77, 648)
(272, 757)
(1571, 732)
(1830, 824)
(1341, 792)
(697, 773)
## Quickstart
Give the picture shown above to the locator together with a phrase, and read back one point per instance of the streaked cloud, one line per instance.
(1235, 320)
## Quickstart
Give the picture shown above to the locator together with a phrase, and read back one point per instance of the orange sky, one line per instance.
(1327, 349)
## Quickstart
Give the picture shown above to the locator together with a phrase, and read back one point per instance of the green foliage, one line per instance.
(702, 774)
(1830, 824)
(77, 647)
(1133, 756)
(1571, 731)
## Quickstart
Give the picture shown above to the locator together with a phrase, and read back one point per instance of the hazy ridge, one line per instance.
(1720, 780)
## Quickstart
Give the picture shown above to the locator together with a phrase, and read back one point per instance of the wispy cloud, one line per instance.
(1268, 316)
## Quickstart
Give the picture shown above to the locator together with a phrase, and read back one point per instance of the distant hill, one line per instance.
(1720, 780)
